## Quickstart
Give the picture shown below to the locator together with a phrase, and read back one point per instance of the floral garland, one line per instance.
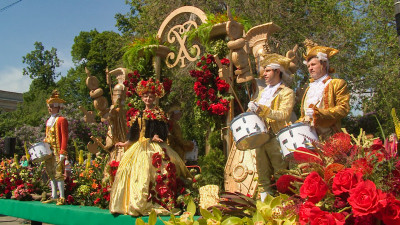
(155, 113)
(211, 91)
(167, 186)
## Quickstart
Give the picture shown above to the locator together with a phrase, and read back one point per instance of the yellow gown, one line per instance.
(147, 177)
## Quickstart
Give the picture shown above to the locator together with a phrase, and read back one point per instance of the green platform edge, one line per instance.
(66, 214)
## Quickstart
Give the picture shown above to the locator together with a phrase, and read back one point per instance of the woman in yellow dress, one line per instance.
(149, 172)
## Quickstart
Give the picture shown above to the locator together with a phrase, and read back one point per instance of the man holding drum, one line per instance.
(57, 137)
(274, 105)
(326, 100)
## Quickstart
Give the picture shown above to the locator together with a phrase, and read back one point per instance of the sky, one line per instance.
(55, 23)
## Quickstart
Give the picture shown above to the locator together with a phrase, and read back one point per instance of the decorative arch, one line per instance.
(175, 34)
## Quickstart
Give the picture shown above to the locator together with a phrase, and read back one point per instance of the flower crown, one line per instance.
(145, 86)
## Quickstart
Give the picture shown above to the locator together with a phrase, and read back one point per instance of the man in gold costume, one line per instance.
(326, 100)
(274, 105)
(57, 137)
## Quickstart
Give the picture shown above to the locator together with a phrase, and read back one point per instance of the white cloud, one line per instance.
(12, 80)
(66, 64)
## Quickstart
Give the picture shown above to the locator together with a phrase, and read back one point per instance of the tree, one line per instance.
(41, 67)
(96, 51)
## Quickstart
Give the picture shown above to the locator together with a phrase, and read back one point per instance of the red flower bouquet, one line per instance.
(345, 180)
(211, 91)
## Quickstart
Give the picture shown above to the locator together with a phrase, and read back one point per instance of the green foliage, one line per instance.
(96, 51)
(41, 67)
(139, 53)
(212, 167)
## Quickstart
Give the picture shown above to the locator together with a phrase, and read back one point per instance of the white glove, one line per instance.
(252, 106)
(62, 157)
(309, 112)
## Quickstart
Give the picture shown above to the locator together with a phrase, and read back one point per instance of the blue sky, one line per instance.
(55, 23)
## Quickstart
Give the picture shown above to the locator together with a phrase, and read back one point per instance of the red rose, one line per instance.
(319, 217)
(225, 61)
(159, 179)
(70, 199)
(314, 188)
(284, 184)
(161, 189)
(366, 199)
(304, 212)
(345, 180)
(156, 160)
(96, 201)
(171, 168)
(391, 213)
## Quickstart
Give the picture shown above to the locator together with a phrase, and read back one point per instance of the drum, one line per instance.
(296, 135)
(40, 152)
(249, 131)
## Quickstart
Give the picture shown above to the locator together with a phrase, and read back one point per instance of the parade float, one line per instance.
(346, 180)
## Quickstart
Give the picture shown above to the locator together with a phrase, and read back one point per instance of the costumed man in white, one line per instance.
(326, 100)
(274, 105)
(57, 137)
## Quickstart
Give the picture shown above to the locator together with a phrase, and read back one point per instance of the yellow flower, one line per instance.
(80, 157)
(185, 218)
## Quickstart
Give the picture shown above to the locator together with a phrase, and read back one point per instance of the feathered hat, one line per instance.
(55, 100)
(321, 52)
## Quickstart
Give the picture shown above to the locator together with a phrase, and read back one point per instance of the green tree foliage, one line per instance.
(41, 67)
(96, 51)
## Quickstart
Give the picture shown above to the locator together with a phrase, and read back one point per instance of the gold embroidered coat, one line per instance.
(278, 115)
(335, 105)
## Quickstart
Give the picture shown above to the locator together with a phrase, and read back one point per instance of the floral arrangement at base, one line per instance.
(346, 180)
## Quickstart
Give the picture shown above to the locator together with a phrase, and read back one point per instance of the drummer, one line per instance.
(57, 137)
(326, 100)
(274, 104)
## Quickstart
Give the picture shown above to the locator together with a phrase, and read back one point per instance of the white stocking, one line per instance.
(60, 184)
(53, 189)
(263, 195)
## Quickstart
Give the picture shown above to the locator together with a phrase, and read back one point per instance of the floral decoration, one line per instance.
(167, 186)
(346, 180)
(211, 91)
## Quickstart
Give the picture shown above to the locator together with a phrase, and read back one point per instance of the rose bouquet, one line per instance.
(345, 180)
(211, 91)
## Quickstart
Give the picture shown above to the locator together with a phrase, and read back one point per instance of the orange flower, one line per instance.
(332, 170)
(95, 186)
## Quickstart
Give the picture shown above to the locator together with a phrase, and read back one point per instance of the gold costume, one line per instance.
(138, 181)
(269, 159)
(333, 107)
